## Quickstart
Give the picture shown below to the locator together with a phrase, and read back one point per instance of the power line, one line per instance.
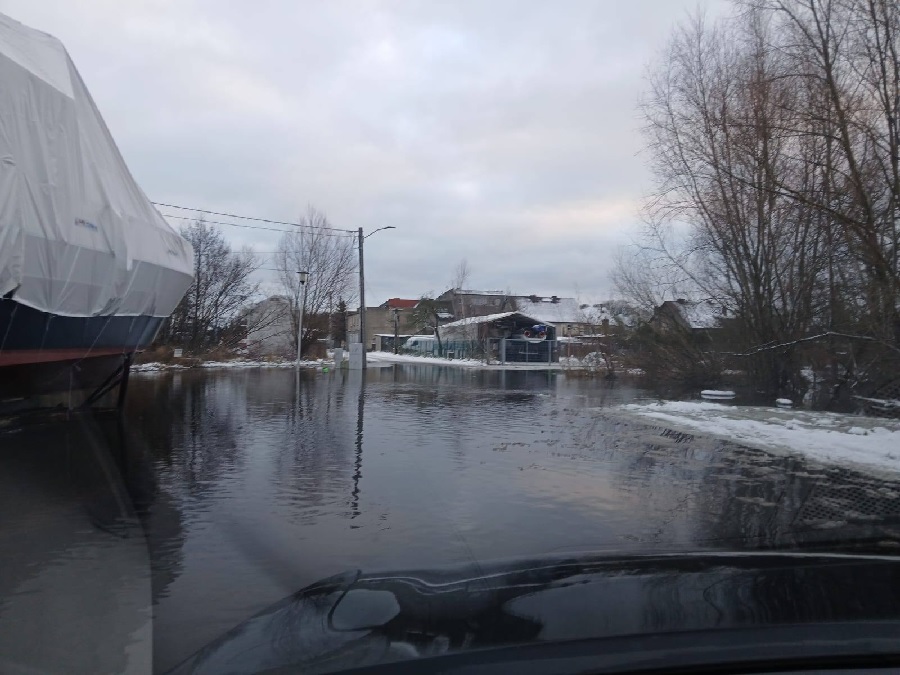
(344, 233)
(262, 220)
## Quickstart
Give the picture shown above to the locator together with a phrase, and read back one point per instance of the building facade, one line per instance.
(270, 330)
(380, 323)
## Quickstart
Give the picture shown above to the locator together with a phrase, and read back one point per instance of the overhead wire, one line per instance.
(256, 218)
(338, 232)
(343, 233)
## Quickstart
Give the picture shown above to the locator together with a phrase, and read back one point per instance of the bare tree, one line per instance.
(721, 126)
(330, 259)
(461, 274)
(425, 316)
(845, 60)
(774, 136)
(645, 275)
(459, 282)
(219, 293)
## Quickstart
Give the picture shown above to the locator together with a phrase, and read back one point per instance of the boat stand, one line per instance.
(118, 378)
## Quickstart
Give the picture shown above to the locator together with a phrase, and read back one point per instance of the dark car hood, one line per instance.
(357, 619)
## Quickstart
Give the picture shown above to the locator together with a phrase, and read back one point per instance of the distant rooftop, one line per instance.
(491, 317)
(700, 314)
(400, 303)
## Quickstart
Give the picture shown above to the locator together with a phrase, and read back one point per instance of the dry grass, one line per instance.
(160, 354)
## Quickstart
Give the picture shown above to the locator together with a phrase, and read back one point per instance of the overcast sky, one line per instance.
(502, 132)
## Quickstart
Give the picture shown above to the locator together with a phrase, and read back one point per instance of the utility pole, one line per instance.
(396, 330)
(304, 277)
(362, 292)
(362, 301)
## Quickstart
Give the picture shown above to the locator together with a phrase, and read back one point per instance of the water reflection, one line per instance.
(253, 484)
(75, 587)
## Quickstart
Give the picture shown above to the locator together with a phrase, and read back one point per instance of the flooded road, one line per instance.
(249, 488)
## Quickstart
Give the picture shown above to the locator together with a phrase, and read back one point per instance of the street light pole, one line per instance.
(396, 329)
(304, 277)
(362, 300)
(362, 292)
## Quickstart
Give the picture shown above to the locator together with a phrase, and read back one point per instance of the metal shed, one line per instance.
(508, 337)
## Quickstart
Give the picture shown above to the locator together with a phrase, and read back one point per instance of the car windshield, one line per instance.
(338, 334)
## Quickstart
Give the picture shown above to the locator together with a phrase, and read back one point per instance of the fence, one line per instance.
(456, 349)
(515, 350)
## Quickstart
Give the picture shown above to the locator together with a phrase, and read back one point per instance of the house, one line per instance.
(505, 337)
(270, 330)
(380, 322)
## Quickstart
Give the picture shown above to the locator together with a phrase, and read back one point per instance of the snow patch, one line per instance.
(156, 367)
(388, 357)
(717, 393)
(831, 437)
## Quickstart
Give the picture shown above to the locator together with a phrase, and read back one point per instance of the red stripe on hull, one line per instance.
(19, 357)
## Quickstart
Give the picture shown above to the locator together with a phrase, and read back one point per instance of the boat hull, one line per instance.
(42, 353)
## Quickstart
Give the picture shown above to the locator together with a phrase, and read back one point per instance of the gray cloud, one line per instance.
(505, 132)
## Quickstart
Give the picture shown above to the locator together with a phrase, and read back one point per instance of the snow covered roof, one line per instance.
(700, 314)
(564, 310)
(472, 320)
(460, 291)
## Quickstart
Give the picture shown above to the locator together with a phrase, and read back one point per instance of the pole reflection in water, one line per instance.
(297, 414)
(357, 463)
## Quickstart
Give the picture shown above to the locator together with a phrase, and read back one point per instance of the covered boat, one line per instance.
(88, 268)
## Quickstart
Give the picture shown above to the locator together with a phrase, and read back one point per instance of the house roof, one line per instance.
(472, 320)
(699, 314)
(564, 310)
(400, 303)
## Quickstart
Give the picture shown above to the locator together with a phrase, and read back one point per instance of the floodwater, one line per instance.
(248, 487)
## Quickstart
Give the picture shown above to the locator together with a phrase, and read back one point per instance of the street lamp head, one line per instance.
(304, 277)
(386, 227)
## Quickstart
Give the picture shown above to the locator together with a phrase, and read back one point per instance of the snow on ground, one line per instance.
(261, 364)
(388, 357)
(830, 437)
(237, 363)
(155, 367)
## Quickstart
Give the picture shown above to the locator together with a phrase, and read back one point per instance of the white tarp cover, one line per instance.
(78, 237)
